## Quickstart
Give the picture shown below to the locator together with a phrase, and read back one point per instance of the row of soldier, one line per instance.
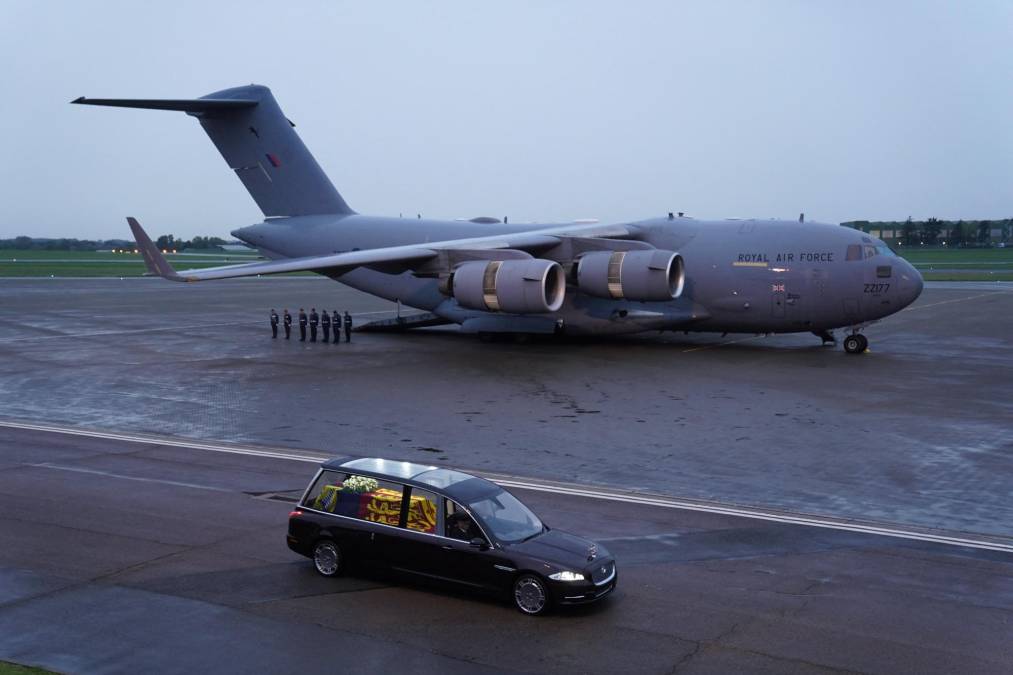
(314, 320)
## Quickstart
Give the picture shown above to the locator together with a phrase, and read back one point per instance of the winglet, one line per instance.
(153, 259)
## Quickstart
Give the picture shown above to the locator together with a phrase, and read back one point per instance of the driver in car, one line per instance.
(461, 527)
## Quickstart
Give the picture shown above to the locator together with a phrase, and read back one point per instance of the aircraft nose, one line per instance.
(911, 283)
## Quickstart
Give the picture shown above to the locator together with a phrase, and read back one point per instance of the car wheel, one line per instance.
(327, 558)
(530, 595)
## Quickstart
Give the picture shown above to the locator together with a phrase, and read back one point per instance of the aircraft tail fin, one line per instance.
(260, 144)
(156, 263)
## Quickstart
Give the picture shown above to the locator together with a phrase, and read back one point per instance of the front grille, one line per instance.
(602, 571)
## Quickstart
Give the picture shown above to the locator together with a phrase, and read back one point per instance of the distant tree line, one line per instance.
(936, 232)
(37, 244)
(166, 242)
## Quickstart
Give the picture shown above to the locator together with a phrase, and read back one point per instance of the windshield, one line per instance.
(508, 519)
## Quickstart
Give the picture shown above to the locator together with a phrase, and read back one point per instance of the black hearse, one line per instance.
(447, 525)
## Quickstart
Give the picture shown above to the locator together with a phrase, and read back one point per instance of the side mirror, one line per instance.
(479, 543)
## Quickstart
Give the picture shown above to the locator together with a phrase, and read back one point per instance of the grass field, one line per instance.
(15, 263)
(961, 264)
(935, 264)
(951, 256)
(7, 668)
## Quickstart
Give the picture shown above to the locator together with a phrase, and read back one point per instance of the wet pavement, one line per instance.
(145, 556)
(915, 432)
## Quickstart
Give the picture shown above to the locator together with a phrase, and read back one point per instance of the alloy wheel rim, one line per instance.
(530, 596)
(326, 559)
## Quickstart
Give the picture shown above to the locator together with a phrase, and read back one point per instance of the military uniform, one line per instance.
(287, 322)
(314, 322)
(348, 327)
(302, 325)
(325, 324)
(337, 327)
(274, 324)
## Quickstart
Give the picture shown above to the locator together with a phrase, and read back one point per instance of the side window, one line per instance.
(854, 252)
(323, 495)
(422, 511)
(379, 501)
(458, 524)
(870, 251)
(355, 496)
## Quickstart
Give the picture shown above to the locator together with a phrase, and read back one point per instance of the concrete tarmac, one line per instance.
(915, 432)
(122, 555)
(146, 556)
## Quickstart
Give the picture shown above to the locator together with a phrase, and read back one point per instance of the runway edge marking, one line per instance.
(602, 493)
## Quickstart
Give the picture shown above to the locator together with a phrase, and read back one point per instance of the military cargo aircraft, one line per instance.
(668, 273)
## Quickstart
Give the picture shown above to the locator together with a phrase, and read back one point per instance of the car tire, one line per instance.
(531, 595)
(328, 560)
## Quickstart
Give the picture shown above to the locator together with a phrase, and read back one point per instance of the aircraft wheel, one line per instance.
(865, 343)
(855, 344)
(327, 558)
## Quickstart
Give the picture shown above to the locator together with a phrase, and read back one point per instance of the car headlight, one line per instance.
(567, 575)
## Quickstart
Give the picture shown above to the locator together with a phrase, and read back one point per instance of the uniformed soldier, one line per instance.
(325, 324)
(337, 327)
(314, 322)
(274, 323)
(302, 325)
(287, 321)
(348, 326)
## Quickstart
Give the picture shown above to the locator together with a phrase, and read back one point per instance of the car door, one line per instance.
(416, 546)
(332, 520)
(457, 559)
(381, 512)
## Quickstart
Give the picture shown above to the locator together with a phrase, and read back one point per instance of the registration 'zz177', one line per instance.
(877, 288)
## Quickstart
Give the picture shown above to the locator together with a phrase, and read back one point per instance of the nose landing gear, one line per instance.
(856, 343)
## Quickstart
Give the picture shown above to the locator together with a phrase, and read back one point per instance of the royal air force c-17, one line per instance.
(668, 273)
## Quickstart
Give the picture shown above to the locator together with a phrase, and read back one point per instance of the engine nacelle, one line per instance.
(641, 275)
(529, 286)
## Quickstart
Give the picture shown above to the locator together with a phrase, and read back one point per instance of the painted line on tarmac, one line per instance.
(601, 493)
(757, 514)
(141, 479)
(270, 453)
(947, 302)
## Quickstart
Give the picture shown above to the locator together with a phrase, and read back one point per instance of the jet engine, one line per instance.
(640, 275)
(528, 286)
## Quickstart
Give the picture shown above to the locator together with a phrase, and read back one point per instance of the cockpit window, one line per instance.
(866, 251)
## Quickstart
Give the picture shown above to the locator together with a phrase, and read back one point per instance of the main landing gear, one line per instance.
(856, 343)
(826, 336)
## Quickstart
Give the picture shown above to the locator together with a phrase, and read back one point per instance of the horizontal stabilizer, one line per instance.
(156, 263)
(197, 105)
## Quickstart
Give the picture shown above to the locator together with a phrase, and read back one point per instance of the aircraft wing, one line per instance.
(392, 257)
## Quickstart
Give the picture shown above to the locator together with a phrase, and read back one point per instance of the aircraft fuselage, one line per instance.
(753, 276)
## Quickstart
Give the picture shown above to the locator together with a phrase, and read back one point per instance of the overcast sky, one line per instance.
(546, 111)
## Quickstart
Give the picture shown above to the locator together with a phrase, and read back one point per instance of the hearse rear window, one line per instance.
(354, 496)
